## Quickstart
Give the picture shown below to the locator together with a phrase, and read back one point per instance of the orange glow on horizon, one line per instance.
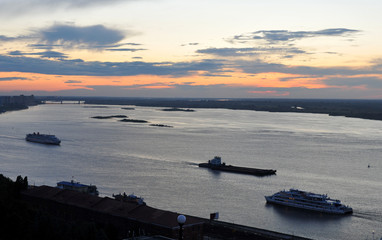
(18, 81)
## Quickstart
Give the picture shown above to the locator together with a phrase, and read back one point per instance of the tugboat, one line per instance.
(310, 201)
(77, 186)
(43, 138)
(216, 164)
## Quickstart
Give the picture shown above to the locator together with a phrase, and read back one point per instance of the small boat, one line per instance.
(310, 201)
(129, 198)
(216, 164)
(43, 138)
(77, 186)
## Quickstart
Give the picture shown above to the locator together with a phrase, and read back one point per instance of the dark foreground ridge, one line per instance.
(51, 213)
(366, 109)
(129, 219)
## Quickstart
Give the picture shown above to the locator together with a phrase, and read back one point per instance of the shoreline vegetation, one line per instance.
(133, 120)
(4, 109)
(108, 117)
(175, 109)
(16, 103)
(364, 109)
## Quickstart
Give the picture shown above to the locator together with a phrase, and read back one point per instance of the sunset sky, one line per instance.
(199, 48)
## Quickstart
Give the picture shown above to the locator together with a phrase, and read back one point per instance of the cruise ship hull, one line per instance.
(326, 205)
(43, 138)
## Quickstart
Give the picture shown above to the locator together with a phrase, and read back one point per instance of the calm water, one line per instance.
(311, 152)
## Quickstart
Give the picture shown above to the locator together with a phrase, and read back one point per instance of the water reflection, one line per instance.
(302, 215)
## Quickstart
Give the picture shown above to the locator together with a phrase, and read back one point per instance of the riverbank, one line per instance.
(365, 109)
(15, 103)
(43, 212)
(4, 109)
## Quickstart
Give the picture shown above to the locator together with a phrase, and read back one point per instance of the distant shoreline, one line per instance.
(12, 108)
(364, 109)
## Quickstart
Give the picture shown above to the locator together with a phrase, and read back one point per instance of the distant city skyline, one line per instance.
(194, 49)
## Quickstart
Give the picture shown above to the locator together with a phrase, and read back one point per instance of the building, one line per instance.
(21, 100)
(129, 219)
(132, 220)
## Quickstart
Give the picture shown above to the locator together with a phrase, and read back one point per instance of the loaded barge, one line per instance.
(216, 164)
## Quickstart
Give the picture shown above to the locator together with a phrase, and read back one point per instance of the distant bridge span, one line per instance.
(62, 102)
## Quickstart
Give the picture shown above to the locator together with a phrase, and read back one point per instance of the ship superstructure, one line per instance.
(43, 138)
(310, 201)
(76, 186)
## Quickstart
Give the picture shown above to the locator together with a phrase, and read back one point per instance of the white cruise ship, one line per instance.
(310, 201)
(77, 186)
(42, 138)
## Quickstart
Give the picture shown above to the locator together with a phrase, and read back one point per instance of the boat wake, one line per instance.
(372, 216)
(11, 137)
(192, 163)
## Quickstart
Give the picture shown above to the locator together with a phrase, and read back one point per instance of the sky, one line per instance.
(192, 49)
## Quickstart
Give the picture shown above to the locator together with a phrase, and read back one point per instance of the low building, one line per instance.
(129, 219)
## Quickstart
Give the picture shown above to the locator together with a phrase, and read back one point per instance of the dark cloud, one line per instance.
(22, 7)
(79, 67)
(215, 75)
(13, 79)
(368, 82)
(237, 52)
(46, 54)
(16, 53)
(255, 67)
(221, 91)
(189, 44)
(225, 52)
(5, 38)
(284, 36)
(314, 93)
(62, 66)
(286, 79)
(97, 36)
(43, 46)
(175, 90)
(212, 91)
(50, 54)
(73, 81)
(132, 44)
(125, 49)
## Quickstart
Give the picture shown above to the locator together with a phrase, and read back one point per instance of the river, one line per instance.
(337, 156)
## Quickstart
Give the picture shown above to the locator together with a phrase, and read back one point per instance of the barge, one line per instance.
(216, 164)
